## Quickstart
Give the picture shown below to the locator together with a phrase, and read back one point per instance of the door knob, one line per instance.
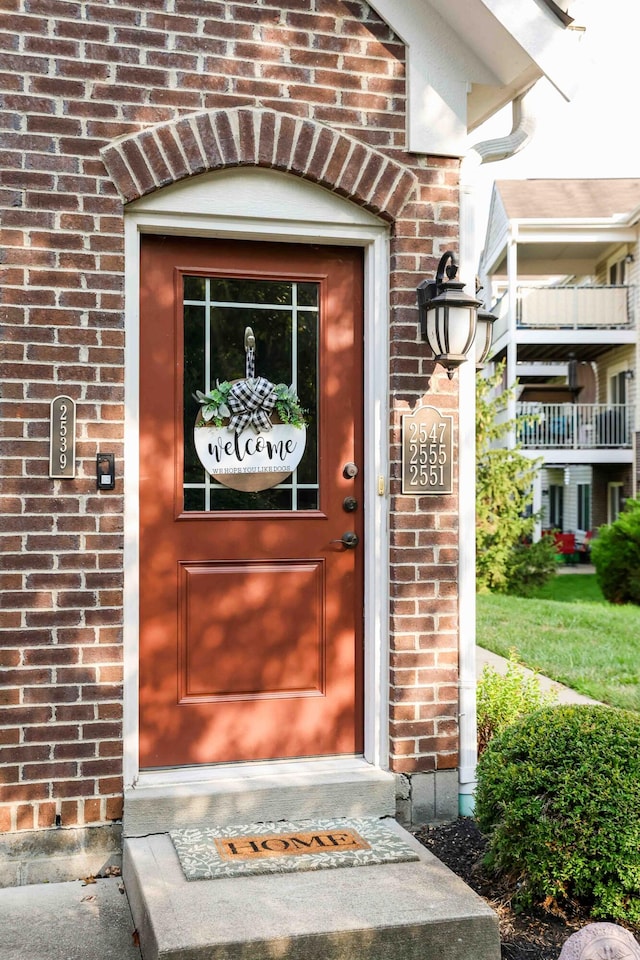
(349, 471)
(349, 540)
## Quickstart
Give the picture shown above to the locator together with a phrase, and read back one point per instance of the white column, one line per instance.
(512, 349)
(537, 505)
(467, 512)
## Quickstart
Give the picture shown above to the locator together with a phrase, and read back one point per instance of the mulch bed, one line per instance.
(524, 936)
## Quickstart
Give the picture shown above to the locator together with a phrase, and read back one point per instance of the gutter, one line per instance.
(522, 131)
(487, 151)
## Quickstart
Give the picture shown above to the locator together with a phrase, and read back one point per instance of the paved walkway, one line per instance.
(576, 568)
(564, 694)
(67, 921)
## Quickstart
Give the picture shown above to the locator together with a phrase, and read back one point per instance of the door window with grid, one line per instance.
(283, 316)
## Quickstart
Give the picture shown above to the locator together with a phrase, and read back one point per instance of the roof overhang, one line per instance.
(467, 58)
(560, 247)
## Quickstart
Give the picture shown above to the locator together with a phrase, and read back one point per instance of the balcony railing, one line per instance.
(570, 307)
(574, 426)
(574, 307)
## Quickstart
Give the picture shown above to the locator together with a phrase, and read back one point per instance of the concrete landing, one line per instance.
(402, 911)
(67, 921)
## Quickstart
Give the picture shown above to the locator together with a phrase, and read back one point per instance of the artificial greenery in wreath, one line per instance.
(220, 404)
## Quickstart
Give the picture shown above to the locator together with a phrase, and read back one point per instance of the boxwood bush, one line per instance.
(559, 795)
(616, 555)
(504, 698)
(529, 566)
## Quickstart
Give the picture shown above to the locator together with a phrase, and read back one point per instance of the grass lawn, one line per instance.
(570, 633)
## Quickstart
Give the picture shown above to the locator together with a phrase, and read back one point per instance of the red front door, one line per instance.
(250, 611)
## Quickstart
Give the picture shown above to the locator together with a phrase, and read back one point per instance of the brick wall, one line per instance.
(76, 75)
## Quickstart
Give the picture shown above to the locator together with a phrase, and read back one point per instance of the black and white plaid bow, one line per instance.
(251, 402)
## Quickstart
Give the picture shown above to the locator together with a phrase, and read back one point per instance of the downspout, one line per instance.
(487, 151)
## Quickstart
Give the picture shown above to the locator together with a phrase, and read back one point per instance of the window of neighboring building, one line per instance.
(614, 501)
(584, 506)
(556, 497)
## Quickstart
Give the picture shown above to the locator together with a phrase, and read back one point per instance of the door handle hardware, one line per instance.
(349, 504)
(349, 471)
(349, 540)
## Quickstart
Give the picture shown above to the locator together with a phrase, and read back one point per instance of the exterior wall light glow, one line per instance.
(447, 315)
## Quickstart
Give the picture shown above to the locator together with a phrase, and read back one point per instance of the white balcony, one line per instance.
(574, 426)
(567, 308)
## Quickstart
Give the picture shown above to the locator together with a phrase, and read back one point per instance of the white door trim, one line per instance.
(260, 204)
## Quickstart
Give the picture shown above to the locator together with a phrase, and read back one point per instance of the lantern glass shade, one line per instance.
(451, 325)
(484, 336)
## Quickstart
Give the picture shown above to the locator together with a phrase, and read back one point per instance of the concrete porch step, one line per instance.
(252, 793)
(399, 911)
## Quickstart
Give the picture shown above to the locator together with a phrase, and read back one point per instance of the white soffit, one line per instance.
(467, 58)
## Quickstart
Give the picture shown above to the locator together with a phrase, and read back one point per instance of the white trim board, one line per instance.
(259, 204)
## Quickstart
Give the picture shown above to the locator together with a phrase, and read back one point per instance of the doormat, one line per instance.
(209, 853)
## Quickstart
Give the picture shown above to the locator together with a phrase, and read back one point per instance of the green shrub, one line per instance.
(504, 698)
(504, 484)
(615, 554)
(529, 566)
(559, 794)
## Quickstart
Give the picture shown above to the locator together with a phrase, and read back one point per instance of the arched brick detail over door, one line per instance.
(218, 139)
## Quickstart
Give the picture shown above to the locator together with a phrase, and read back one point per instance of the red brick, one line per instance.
(49, 771)
(322, 149)
(73, 788)
(92, 812)
(73, 714)
(50, 733)
(68, 812)
(120, 172)
(109, 711)
(413, 764)
(74, 751)
(104, 767)
(114, 808)
(303, 148)
(109, 785)
(5, 819)
(266, 140)
(46, 815)
(24, 792)
(139, 168)
(24, 817)
(447, 761)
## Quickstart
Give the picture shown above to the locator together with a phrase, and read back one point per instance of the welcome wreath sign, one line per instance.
(250, 434)
(250, 461)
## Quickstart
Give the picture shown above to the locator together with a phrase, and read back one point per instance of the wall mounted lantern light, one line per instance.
(484, 336)
(448, 316)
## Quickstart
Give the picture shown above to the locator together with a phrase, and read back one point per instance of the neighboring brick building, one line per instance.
(126, 123)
